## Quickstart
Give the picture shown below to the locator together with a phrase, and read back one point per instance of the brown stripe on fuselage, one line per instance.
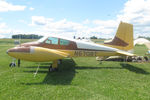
(20, 49)
(28, 44)
(72, 46)
(117, 42)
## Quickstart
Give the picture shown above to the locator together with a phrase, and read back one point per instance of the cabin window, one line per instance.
(52, 40)
(64, 42)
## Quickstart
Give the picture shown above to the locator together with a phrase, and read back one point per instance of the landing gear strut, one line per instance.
(19, 62)
(54, 66)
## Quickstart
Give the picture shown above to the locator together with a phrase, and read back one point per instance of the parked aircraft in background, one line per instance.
(55, 48)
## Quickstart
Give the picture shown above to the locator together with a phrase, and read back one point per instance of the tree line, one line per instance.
(26, 36)
(94, 37)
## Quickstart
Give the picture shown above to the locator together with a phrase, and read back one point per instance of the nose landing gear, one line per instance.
(13, 63)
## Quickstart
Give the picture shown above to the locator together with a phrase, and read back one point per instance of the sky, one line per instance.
(80, 18)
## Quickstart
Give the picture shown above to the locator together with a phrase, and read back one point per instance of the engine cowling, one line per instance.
(36, 54)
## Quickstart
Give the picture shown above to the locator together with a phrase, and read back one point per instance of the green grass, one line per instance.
(77, 79)
(140, 50)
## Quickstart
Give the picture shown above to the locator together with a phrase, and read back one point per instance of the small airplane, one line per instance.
(55, 48)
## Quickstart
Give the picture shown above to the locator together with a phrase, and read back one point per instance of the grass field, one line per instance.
(77, 79)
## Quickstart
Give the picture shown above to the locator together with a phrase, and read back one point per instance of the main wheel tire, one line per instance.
(60, 61)
(50, 68)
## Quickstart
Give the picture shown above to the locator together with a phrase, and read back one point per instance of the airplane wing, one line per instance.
(125, 53)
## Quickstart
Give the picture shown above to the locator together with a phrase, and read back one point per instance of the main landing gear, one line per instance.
(54, 66)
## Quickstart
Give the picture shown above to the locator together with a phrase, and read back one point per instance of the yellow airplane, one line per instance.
(55, 48)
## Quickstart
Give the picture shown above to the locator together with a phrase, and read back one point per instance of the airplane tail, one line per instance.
(124, 38)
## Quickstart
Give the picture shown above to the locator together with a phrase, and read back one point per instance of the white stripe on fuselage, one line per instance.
(93, 46)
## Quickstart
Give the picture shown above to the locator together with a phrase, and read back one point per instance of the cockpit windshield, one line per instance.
(54, 41)
(42, 39)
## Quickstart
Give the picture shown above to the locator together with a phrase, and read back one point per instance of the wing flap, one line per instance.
(125, 53)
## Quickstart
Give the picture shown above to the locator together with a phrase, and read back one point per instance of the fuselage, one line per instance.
(56, 47)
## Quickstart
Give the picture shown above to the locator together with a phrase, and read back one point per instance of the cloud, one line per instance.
(2, 36)
(22, 21)
(86, 21)
(4, 31)
(40, 20)
(135, 12)
(31, 8)
(2, 25)
(1, 18)
(49, 24)
(106, 23)
(98, 27)
(5, 6)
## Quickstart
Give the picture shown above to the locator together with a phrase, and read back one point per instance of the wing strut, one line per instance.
(37, 70)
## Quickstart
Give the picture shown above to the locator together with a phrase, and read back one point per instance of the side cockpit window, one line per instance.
(52, 40)
(64, 42)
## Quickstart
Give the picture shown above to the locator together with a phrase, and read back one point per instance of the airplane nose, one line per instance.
(7, 51)
(18, 50)
(10, 50)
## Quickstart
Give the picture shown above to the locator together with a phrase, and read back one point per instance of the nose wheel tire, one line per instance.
(12, 64)
(50, 68)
